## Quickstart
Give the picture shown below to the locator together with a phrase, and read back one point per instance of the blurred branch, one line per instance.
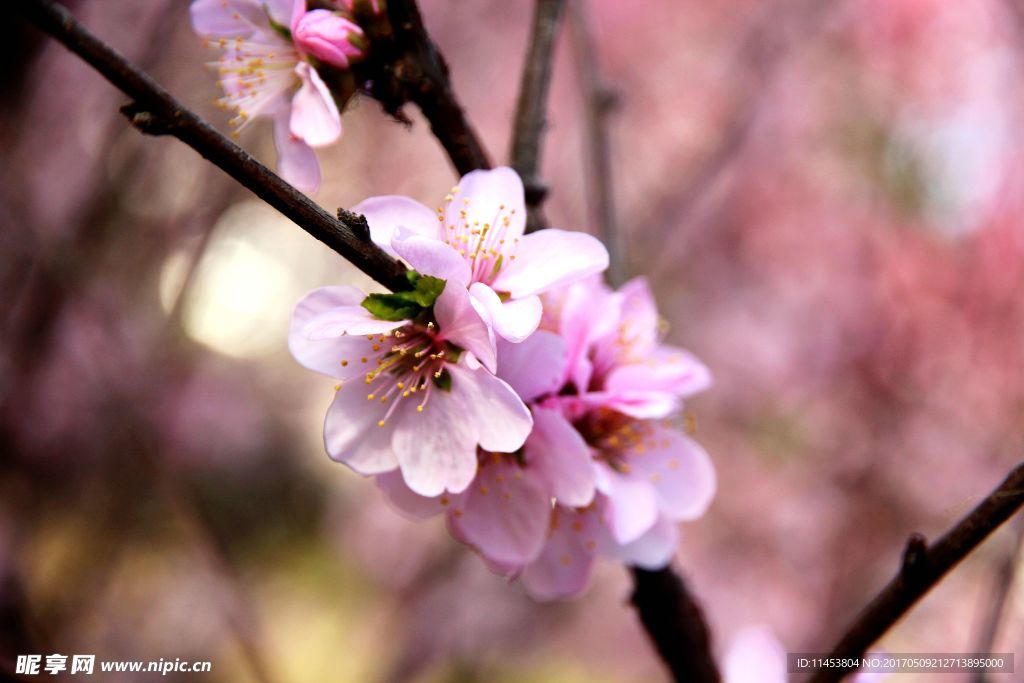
(155, 112)
(924, 566)
(531, 106)
(675, 622)
(406, 66)
(1002, 586)
(599, 103)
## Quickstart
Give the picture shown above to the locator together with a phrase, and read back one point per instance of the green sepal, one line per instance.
(405, 305)
(444, 382)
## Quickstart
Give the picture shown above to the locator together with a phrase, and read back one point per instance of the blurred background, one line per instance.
(826, 197)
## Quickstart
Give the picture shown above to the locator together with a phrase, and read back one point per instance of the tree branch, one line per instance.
(924, 566)
(405, 65)
(599, 101)
(675, 623)
(531, 106)
(154, 111)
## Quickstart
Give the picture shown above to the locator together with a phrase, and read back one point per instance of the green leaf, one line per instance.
(407, 304)
(391, 307)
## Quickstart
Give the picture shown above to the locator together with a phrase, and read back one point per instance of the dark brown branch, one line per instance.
(924, 566)
(531, 106)
(599, 103)
(405, 66)
(154, 111)
(675, 623)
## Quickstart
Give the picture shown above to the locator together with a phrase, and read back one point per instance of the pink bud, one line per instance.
(329, 37)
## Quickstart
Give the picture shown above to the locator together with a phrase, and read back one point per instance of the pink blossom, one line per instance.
(264, 75)
(412, 395)
(615, 355)
(476, 238)
(329, 37)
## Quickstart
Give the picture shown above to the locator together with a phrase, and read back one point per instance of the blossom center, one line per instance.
(486, 245)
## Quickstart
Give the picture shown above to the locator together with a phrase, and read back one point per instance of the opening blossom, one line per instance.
(610, 483)
(475, 239)
(268, 70)
(415, 394)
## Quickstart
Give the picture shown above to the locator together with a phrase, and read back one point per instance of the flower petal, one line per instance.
(500, 417)
(460, 323)
(562, 458)
(226, 18)
(755, 655)
(296, 161)
(351, 434)
(437, 447)
(388, 213)
(354, 320)
(314, 116)
(564, 566)
(395, 490)
(680, 471)
(431, 257)
(653, 550)
(323, 356)
(548, 259)
(504, 514)
(514, 320)
(488, 192)
(632, 504)
(666, 369)
(533, 367)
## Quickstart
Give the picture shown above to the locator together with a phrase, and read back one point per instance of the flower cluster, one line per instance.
(510, 389)
(276, 57)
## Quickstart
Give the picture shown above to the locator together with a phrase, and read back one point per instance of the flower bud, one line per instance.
(328, 37)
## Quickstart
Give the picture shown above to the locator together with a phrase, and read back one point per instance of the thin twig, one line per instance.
(531, 107)
(1002, 587)
(924, 566)
(155, 112)
(599, 102)
(675, 622)
(406, 66)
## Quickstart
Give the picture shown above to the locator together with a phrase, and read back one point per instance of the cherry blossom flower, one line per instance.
(413, 394)
(616, 357)
(476, 238)
(265, 72)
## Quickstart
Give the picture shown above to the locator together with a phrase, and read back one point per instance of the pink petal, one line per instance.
(561, 458)
(354, 320)
(437, 447)
(488, 191)
(755, 655)
(632, 504)
(534, 367)
(314, 116)
(504, 514)
(548, 259)
(459, 323)
(643, 405)
(327, 37)
(351, 434)
(680, 471)
(653, 550)
(499, 416)
(295, 12)
(325, 356)
(431, 257)
(514, 320)
(227, 18)
(588, 312)
(296, 161)
(392, 484)
(385, 215)
(564, 566)
(666, 369)
(640, 313)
